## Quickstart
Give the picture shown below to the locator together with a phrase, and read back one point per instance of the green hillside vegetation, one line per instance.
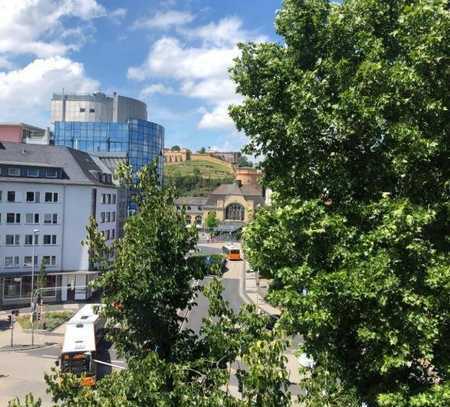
(197, 178)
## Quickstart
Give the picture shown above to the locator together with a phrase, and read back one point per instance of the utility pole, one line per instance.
(32, 305)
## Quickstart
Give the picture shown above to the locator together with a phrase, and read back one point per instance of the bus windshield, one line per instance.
(77, 364)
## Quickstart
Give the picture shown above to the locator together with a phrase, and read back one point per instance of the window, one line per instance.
(51, 197)
(108, 216)
(102, 217)
(82, 109)
(12, 261)
(11, 196)
(28, 261)
(12, 287)
(49, 260)
(113, 216)
(91, 110)
(28, 240)
(49, 239)
(235, 212)
(12, 240)
(13, 172)
(36, 218)
(52, 173)
(103, 198)
(113, 233)
(33, 172)
(1, 197)
(109, 198)
(12, 218)
(114, 198)
(55, 218)
(33, 196)
(48, 219)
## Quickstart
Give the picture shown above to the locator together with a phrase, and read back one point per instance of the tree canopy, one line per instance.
(350, 117)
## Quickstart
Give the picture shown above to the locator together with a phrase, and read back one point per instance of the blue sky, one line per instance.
(173, 54)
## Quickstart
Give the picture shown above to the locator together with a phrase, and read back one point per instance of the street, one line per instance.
(232, 284)
(23, 371)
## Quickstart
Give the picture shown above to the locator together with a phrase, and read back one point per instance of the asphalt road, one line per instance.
(231, 281)
(23, 372)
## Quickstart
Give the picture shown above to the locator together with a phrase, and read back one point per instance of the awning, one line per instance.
(229, 227)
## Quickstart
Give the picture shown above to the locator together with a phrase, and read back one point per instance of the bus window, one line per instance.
(232, 253)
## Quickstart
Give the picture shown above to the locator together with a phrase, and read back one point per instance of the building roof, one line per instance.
(28, 126)
(80, 168)
(229, 227)
(112, 159)
(191, 201)
(236, 189)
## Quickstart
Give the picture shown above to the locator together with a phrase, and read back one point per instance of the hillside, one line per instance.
(197, 177)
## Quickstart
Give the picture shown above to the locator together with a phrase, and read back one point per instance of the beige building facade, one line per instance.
(173, 156)
(231, 203)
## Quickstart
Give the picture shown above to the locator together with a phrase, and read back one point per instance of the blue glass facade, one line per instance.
(143, 141)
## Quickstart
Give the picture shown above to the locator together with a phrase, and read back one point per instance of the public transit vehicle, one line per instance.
(83, 333)
(232, 252)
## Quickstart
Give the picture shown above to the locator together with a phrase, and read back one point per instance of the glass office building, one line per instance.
(141, 140)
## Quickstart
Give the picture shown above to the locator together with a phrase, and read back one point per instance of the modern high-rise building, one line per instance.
(99, 123)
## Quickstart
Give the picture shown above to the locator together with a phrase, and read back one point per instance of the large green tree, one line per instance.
(149, 280)
(145, 288)
(350, 116)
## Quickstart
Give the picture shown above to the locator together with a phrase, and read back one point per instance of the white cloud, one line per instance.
(118, 15)
(168, 58)
(156, 88)
(200, 70)
(217, 118)
(25, 93)
(228, 31)
(165, 20)
(27, 25)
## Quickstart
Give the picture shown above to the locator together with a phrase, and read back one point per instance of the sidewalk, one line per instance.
(257, 296)
(22, 337)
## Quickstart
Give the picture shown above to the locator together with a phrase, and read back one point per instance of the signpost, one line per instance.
(12, 320)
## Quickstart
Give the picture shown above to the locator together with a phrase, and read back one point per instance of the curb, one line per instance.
(243, 286)
(26, 348)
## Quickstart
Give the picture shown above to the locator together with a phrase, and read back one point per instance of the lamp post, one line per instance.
(35, 232)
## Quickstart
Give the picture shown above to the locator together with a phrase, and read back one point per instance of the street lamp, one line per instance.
(35, 232)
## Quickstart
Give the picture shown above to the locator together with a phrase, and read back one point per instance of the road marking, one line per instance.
(49, 356)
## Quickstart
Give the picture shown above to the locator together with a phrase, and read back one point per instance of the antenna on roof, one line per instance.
(63, 100)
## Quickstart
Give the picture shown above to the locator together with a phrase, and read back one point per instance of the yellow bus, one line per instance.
(232, 253)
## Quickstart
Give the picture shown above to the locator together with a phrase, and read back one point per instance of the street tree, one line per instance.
(149, 280)
(350, 117)
(211, 220)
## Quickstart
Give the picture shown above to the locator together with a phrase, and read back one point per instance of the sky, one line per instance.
(172, 54)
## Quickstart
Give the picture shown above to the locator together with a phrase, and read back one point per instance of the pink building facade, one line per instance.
(23, 133)
(11, 132)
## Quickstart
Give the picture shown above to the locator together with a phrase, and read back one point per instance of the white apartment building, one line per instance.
(47, 195)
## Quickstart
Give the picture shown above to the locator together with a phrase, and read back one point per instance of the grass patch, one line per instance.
(205, 169)
(53, 319)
